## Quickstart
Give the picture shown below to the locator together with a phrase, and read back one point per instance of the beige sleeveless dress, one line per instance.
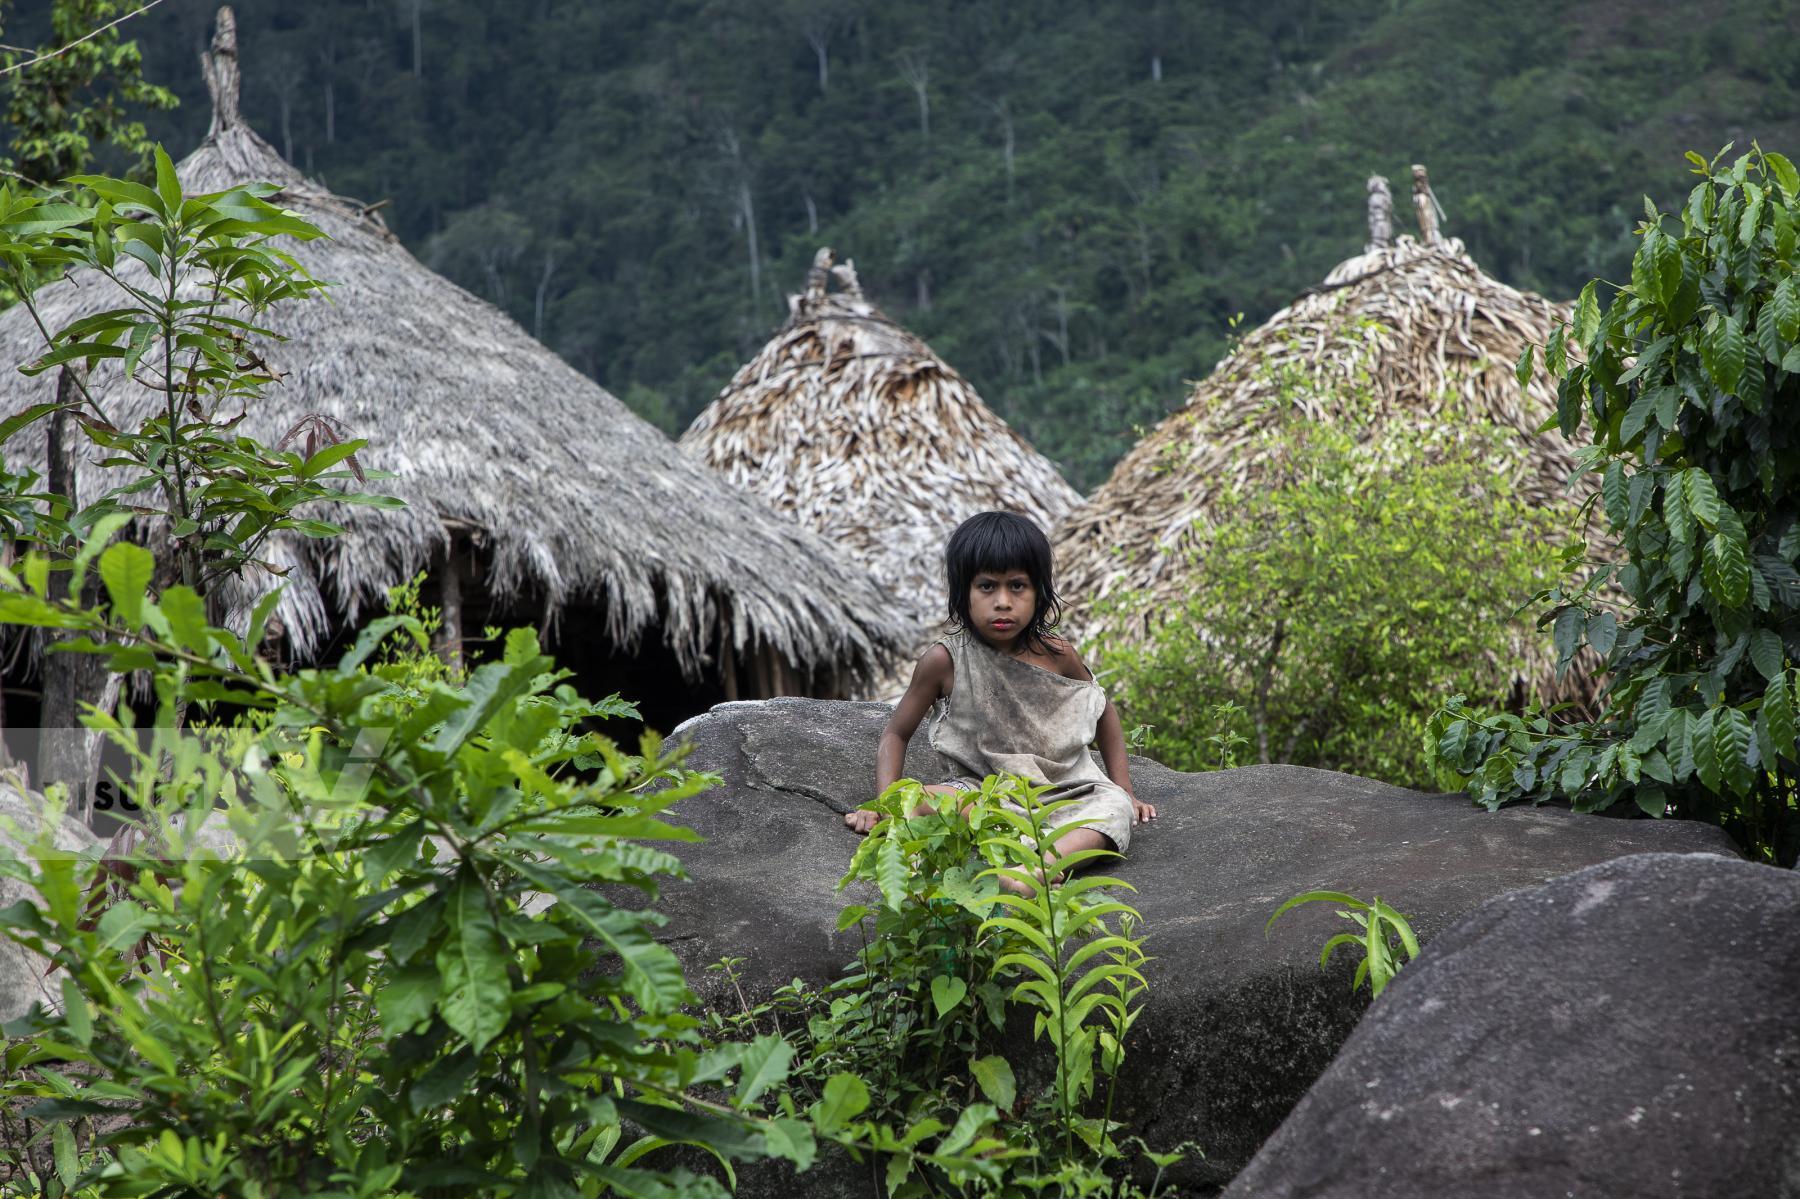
(1006, 716)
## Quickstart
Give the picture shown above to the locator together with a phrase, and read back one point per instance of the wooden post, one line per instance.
(452, 568)
(727, 658)
(67, 752)
(1381, 214)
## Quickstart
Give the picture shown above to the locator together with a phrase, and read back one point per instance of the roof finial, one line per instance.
(220, 66)
(1381, 215)
(819, 277)
(1431, 213)
(845, 273)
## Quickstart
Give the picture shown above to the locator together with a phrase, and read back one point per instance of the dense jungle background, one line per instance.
(1068, 202)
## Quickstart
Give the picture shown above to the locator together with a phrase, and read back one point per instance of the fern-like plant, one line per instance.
(1381, 928)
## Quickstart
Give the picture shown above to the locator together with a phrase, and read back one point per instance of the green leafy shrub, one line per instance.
(357, 948)
(1332, 599)
(191, 275)
(1689, 378)
(919, 1014)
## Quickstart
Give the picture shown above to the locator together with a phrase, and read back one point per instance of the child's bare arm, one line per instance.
(931, 679)
(1110, 735)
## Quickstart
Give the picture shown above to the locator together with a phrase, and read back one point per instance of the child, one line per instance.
(1011, 697)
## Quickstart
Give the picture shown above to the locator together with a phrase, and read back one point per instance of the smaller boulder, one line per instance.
(1632, 1028)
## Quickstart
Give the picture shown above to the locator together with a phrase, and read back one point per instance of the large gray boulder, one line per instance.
(1629, 1029)
(1238, 1024)
(24, 975)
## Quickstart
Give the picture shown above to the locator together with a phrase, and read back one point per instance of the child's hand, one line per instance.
(861, 821)
(1144, 812)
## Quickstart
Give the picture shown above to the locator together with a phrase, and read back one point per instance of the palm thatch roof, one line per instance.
(1414, 322)
(568, 496)
(854, 426)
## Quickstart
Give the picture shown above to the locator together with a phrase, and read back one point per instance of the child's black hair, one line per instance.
(1000, 542)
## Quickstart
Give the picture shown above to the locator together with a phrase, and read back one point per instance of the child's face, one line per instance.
(1001, 603)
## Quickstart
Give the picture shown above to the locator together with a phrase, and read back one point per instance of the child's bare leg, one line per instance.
(1073, 841)
(861, 820)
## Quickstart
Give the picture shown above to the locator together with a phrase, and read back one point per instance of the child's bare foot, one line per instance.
(860, 821)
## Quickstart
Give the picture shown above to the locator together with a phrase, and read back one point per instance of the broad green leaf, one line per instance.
(791, 1140)
(1766, 653)
(78, 1018)
(1732, 734)
(1752, 218)
(1785, 175)
(1702, 496)
(1587, 314)
(473, 963)
(446, 1080)
(994, 1074)
(1706, 751)
(764, 1063)
(1637, 416)
(168, 185)
(947, 990)
(123, 925)
(1675, 510)
(62, 1144)
(1522, 369)
(1724, 355)
(186, 613)
(1778, 711)
(1603, 632)
(1568, 632)
(408, 998)
(652, 973)
(1725, 571)
(127, 569)
(1615, 492)
(20, 420)
(1784, 305)
(846, 1097)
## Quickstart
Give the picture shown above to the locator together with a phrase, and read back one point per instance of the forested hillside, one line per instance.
(1069, 201)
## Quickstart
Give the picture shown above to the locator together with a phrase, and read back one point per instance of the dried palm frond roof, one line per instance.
(570, 496)
(1410, 327)
(854, 426)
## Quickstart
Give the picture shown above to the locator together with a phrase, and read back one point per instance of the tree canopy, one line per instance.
(1067, 202)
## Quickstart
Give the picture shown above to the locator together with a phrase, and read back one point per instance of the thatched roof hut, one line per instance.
(514, 466)
(854, 426)
(1414, 322)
